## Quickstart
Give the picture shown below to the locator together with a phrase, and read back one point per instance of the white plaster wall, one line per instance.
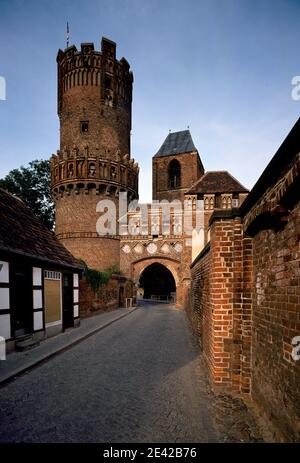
(37, 276)
(76, 312)
(4, 298)
(76, 295)
(4, 272)
(5, 326)
(75, 280)
(38, 321)
(37, 299)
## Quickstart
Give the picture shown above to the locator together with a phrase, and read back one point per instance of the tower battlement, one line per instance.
(79, 170)
(89, 67)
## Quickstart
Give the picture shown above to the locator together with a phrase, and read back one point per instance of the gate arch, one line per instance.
(139, 266)
(157, 282)
(170, 265)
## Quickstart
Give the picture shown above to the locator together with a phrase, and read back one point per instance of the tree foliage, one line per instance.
(32, 185)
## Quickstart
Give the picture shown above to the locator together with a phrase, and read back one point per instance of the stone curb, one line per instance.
(34, 363)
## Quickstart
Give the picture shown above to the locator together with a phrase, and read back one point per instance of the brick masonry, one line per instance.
(276, 321)
(245, 296)
(191, 170)
(108, 297)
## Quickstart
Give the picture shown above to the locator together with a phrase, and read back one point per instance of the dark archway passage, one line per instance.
(157, 282)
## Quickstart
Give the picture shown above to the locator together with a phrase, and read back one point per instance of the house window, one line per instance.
(84, 126)
(50, 275)
(174, 174)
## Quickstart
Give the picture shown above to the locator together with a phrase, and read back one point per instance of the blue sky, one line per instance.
(222, 67)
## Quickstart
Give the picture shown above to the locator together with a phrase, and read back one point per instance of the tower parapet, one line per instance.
(76, 170)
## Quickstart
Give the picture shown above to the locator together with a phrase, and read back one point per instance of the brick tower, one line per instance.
(176, 166)
(93, 163)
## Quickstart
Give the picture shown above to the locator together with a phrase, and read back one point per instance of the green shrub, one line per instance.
(95, 278)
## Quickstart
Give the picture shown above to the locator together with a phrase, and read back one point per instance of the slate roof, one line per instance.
(176, 143)
(219, 181)
(22, 232)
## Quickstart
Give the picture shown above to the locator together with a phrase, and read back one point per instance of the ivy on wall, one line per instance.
(95, 278)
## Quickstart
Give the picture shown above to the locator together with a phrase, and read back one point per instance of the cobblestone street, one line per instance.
(138, 380)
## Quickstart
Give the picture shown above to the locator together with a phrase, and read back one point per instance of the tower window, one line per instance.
(108, 82)
(84, 126)
(218, 201)
(92, 169)
(174, 174)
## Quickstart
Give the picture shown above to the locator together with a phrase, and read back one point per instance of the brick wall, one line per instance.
(216, 307)
(75, 226)
(199, 303)
(108, 130)
(108, 297)
(245, 296)
(191, 170)
(276, 320)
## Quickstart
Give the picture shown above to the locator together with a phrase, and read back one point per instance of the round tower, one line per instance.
(93, 163)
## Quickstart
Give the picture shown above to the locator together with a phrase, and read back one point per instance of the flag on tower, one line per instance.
(68, 34)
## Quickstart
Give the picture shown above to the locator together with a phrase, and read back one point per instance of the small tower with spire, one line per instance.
(176, 166)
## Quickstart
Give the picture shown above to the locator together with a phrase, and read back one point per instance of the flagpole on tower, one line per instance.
(68, 34)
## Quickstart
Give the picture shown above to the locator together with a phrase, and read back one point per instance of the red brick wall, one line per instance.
(276, 320)
(225, 298)
(191, 170)
(75, 227)
(199, 307)
(220, 290)
(109, 128)
(246, 329)
(107, 297)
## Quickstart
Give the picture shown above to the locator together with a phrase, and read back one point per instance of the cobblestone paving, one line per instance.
(138, 380)
(234, 420)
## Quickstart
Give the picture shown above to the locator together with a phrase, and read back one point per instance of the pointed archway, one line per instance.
(158, 283)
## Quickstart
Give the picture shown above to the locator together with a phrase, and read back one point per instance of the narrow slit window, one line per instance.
(84, 127)
(174, 174)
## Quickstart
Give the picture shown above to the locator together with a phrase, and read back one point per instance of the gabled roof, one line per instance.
(176, 143)
(22, 232)
(219, 181)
